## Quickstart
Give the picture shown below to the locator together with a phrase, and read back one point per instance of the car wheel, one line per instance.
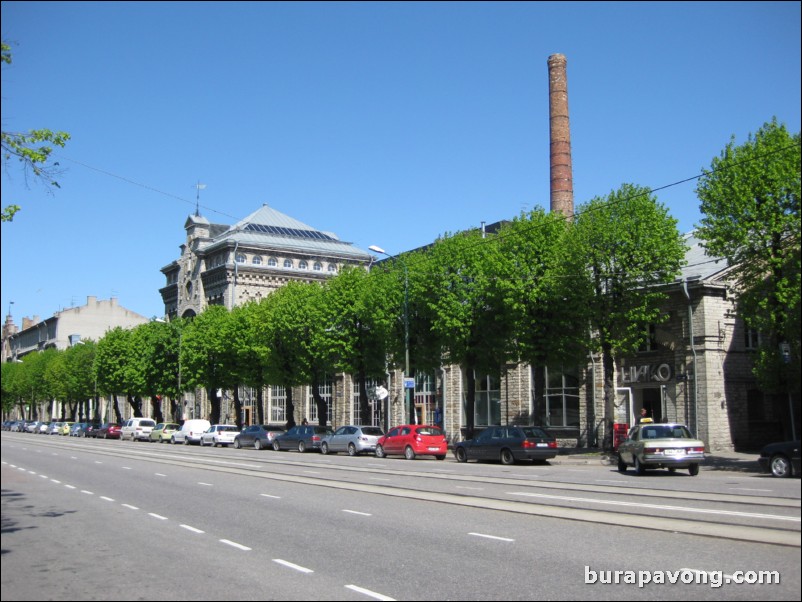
(276, 446)
(186, 440)
(236, 444)
(622, 466)
(257, 444)
(380, 452)
(693, 470)
(440, 457)
(639, 468)
(301, 446)
(507, 457)
(351, 449)
(409, 453)
(172, 440)
(324, 448)
(461, 454)
(780, 466)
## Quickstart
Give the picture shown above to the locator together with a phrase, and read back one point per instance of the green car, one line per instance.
(163, 432)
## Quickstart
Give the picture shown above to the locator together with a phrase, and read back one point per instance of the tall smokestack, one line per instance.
(562, 181)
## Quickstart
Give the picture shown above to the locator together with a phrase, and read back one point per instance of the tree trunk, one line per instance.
(117, 414)
(608, 366)
(260, 405)
(364, 402)
(237, 408)
(290, 407)
(214, 401)
(156, 403)
(136, 403)
(320, 403)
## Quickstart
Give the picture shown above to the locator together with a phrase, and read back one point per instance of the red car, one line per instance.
(412, 440)
(109, 430)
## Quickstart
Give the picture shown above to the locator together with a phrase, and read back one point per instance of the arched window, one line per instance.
(241, 258)
(288, 263)
(257, 260)
(318, 267)
(272, 262)
(302, 265)
(332, 267)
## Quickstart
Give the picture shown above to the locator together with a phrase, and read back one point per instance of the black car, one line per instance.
(508, 444)
(259, 435)
(781, 459)
(302, 438)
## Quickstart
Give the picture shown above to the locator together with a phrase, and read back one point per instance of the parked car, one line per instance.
(163, 431)
(412, 440)
(109, 430)
(54, 428)
(258, 435)
(219, 434)
(302, 438)
(65, 428)
(43, 428)
(660, 445)
(89, 429)
(781, 459)
(76, 429)
(352, 439)
(190, 431)
(137, 429)
(508, 444)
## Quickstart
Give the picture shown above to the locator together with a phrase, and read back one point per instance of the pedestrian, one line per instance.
(643, 414)
(304, 422)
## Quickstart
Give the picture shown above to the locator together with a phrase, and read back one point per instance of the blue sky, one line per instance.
(386, 123)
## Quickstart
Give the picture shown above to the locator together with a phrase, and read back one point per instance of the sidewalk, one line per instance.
(720, 460)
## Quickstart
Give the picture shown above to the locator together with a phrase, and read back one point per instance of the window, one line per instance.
(752, 338)
(332, 267)
(241, 258)
(257, 260)
(278, 404)
(428, 389)
(302, 265)
(375, 405)
(288, 263)
(649, 341)
(272, 262)
(318, 267)
(487, 407)
(562, 398)
(325, 388)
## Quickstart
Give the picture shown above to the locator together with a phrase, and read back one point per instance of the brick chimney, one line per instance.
(562, 182)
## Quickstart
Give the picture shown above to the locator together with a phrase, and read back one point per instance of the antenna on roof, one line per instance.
(199, 187)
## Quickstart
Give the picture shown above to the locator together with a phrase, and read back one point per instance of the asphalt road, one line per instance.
(103, 520)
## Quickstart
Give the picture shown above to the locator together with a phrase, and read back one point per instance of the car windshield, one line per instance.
(535, 433)
(429, 430)
(372, 430)
(665, 431)
(228, 428)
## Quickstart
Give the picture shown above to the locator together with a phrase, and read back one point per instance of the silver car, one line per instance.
(352, 439)
(660, 445)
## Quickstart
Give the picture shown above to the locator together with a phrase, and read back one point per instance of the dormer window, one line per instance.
(241, 258)
(272, 262)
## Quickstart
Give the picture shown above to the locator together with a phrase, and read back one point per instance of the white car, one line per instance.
(219, 434)
(190, 431)
(137, 429)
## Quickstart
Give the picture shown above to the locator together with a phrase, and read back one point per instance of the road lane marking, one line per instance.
(491, 536)
(235, 545)
(130, 506)
(275, 497)
(357, 512)
(193, 529)
(87, 492)
(108, 499)
(370, 593)
(159, 516)
(297, 567)
(204, 484)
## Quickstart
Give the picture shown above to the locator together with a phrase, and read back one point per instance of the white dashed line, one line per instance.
(297, 567)
(233, 544)
(356, 512)
(130, 506)
(193, 529)
(70, 486)
(87, 492)
(108, 499)
(159, 516)
(491, 537)
(370, 593)
(275, 497)
(205, 484)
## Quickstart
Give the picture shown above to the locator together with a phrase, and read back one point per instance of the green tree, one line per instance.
(466, 311)
(205, 355)
(358, 325)
(629, 245)
(114, 369)
(544, 290)
(32, 149)
(750, 206)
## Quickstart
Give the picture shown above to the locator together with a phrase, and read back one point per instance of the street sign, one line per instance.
(409, 383)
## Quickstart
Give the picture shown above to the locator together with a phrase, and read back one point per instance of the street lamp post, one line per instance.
(407, 403)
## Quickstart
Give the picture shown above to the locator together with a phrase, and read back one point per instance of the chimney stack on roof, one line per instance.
(562, 182)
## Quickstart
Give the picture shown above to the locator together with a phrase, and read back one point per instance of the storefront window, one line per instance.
(278, 404)
(375, 406)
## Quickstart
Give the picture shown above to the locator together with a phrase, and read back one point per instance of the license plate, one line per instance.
(434, 449)
(542, 444)
(674, 452)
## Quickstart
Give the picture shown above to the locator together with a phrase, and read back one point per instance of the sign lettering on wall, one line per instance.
(657, 373)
